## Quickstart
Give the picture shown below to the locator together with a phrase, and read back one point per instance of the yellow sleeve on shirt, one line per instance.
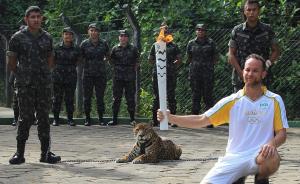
(278, 124)
(221, 116)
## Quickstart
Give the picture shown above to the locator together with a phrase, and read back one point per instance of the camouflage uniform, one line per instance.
(64, 78)
(15, 104)
(94, 74)
(251, 41)
(172, 53)
(33, 82)
(124, 61)
(202, 55)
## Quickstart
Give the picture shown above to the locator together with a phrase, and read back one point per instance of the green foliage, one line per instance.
(145, 106)
(181, 16)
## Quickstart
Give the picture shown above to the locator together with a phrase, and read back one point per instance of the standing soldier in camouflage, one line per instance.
(173, 60)
(202, 55)
(64, 75)
(125, 60)
(93, 51)
(30, 57)
(251, 37)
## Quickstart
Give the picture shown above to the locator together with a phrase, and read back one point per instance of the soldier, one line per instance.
(93, 51)
(250, 37)
(125, 60)
(64, 75)
(30, 57)
(173, 60)
(202, 56)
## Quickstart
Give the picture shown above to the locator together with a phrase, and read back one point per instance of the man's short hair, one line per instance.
(32, 9)
(251, 2)
(258, 57)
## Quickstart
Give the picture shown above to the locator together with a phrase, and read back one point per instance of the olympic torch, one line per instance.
(161, 66)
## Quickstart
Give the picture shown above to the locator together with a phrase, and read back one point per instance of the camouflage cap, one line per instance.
(94, 25)
(68, 29)
(124, 32)
(32, 9)
(201, 26)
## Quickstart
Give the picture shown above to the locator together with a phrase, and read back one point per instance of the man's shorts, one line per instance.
(231, 167)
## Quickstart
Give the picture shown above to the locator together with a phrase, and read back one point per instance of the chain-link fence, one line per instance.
(286, 72)
(285, 83)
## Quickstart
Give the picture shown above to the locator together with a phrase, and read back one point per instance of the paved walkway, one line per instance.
(88, 155)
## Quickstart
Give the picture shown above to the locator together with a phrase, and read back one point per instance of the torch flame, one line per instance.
(162, 37)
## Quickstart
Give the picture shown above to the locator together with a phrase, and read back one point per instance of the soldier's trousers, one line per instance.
(202, 88)
(171, 97)
(64, 91)
(33, 100)
(15, 104)
(130, 90)
(89, 83)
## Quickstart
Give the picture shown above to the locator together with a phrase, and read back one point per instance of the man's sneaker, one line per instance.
(50, 158)
(261, 181)
(17, 159)
(240, 180)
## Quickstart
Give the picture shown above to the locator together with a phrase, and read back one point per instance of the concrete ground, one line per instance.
(89, 153)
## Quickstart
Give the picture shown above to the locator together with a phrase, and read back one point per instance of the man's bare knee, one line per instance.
(269, 166)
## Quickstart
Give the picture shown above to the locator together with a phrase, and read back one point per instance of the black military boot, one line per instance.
(132, 118)
(113, 122)
(18, 157)
(87, 120)
(115, 118)
(71, 122)
(101, 122)
(56, 119)
(70, 119)
(46, 155)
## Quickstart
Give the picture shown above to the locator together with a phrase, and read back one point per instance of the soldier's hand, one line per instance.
(176, 62)
(268, 64)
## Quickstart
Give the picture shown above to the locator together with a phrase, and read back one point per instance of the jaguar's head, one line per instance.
(143, 132)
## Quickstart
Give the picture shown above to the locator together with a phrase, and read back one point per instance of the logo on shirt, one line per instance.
(263, 105)
(252, 120)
